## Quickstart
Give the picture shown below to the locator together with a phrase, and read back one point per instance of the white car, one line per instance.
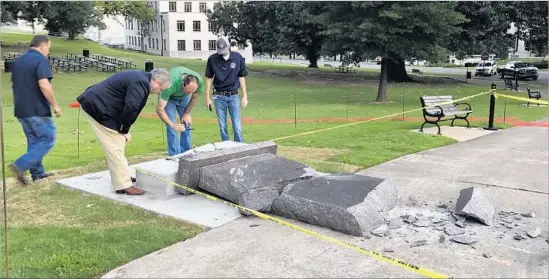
(486, 68)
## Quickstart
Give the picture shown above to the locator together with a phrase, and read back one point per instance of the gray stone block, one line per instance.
(348, 203)
(165, 169)
(189, 165)
(253, 182)
(476, 202)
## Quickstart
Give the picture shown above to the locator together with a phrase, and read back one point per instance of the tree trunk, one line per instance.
(72, 35)
(382, 89)
(312, 56)
(397, 71)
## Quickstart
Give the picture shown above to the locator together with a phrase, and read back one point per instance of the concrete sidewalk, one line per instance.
(512, 164)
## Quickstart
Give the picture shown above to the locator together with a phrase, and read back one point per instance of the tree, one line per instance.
(9, 11)
(71, 16)
(393, 30)
(531, 18)
(484, 29)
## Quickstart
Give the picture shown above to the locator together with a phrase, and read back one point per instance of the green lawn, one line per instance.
(83, 235)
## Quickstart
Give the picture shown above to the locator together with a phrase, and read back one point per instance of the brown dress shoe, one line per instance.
(20, 176)
(132, 191)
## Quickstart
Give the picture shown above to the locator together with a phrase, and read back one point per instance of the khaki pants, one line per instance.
(113, 144)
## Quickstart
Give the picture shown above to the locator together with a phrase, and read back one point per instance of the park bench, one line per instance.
(445, 112)
(344, 69)
(414, 70)
(509, 84)
(533, 95)
(328, 65)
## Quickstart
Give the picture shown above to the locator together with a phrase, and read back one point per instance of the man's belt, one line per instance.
(226, 93)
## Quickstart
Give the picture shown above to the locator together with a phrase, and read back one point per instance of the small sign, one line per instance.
(484, 56)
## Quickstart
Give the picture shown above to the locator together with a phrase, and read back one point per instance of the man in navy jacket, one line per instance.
(112, 107)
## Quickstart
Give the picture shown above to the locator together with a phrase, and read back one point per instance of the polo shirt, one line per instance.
(28, 100)
(176, 89)
(226, 73)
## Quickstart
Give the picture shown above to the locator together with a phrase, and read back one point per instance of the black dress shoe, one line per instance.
(44, 175)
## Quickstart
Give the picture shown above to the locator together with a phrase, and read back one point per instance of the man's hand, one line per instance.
(178, 127)
(244, 101)
(186, 119)
(128, 137)
(208, 103)
(58, 111)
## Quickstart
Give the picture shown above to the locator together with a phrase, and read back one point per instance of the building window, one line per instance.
(188, 7)
(196, 26)
(210, 28)
(181, 45)
(156, 43)
(164, 42)
(163, 26)
(202, 7)
(149, 41)
(197, 44)
(181, 25)
(212, 45)
(173, 6)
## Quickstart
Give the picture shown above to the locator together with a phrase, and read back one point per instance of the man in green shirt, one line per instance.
(177, 100)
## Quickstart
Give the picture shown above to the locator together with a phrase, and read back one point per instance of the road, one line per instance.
(542, 80)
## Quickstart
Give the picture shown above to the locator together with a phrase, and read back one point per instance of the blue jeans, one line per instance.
(232, 104)
(40, 133)
(177, 145)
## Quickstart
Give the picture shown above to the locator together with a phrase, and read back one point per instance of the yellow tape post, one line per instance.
(400, 263)
(541, 102)
(379, 118)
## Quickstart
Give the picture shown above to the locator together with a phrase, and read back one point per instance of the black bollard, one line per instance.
(86, 53)
(7, 66)
(492, 108)
(148, 65)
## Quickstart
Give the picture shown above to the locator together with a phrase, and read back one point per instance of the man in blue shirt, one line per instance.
(225, 70)
(32, 97)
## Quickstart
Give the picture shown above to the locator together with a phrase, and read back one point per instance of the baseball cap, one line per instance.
(222, 46)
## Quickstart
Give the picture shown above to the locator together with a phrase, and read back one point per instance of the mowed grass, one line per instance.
(56, 232)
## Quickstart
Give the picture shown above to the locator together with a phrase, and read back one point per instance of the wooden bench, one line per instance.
(439, 113)
(509, 84)
(414, 70)
(533, 95)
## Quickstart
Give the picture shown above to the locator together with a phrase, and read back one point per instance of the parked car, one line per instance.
(521, 70)
(486, 68)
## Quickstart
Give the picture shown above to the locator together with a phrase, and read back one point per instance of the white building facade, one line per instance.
(113, 34)
(181, 29)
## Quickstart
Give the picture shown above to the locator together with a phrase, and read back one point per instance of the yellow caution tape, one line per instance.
(400, 263)
(379, 118)
(542, 102)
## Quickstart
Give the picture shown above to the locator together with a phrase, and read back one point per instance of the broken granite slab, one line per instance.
(348, 203)
(253, 182)
(190, 164)
(478, 203)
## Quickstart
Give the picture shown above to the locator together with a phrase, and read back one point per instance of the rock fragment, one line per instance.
(419, 243)
(534, 233)
(463, 239)
(388, 250)
(381, 230)
(395, 224)
(478, 203)
(460, 224)
(422, 223)
(451, 230)
(530, 214)
(519, 236)
(486, 255)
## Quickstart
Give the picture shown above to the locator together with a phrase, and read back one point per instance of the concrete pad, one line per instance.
(460, 134)
(348, 203)
(255, 248)
(195, 209)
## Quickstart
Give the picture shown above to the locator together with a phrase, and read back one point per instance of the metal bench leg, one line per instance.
(421, 128)
(439, 133)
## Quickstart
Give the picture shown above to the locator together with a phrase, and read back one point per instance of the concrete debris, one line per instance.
(519, 236)
(388, 250)
(442, 238)
(451, 230)
(442, 205)
(459, 218)
(422, 223)
(460, 224)
(534, 233)
(381, 231)
(497, 225)
(410, 219)
(478, 203)
(501, 236)
(506, 220)
(414, 201)
(518, 218)
(508, 226)
(395, 224)
(440, 220)
(254, 225)
(530, 214)
(419, 243)
(463, 239)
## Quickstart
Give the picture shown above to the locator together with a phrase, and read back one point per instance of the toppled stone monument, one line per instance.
(349, 203)
(478, 203)
(190, 164)
(253, 182)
